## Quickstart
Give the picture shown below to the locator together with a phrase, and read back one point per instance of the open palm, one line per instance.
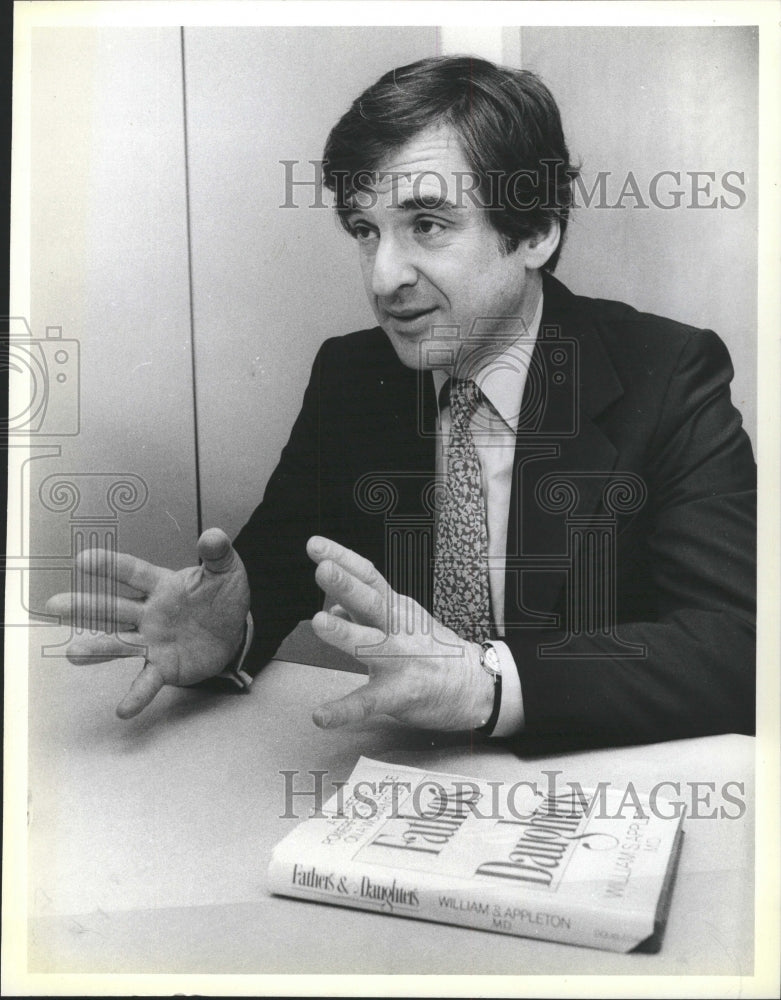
(188, 624)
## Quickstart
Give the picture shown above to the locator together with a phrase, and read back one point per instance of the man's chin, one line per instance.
(424, 352)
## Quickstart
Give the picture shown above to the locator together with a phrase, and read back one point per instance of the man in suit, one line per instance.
(531, 513)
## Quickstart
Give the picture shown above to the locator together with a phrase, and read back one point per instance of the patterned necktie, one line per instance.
(461, 594)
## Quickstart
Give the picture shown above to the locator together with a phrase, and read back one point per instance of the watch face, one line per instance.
(490, 660)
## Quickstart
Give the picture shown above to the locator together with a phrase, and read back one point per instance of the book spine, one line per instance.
(423, 897)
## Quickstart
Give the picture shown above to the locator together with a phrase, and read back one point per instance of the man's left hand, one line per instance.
(420, 672)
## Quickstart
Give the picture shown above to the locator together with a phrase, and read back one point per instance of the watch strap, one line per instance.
(490, 724)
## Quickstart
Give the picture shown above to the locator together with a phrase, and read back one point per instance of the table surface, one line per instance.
(149, 840)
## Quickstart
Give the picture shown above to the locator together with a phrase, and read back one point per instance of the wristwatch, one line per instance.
(490, 662)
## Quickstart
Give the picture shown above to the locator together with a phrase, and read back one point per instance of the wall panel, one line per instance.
(109, 267)
(645, 100)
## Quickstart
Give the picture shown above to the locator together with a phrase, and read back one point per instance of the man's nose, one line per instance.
(392, 268)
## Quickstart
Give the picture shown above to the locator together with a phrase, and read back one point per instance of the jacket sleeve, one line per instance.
(697, 676)
(272, 544)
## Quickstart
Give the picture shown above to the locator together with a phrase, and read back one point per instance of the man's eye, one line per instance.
(362, 232)
(429, 227)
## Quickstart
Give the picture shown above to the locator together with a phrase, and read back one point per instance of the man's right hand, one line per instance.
(190, 621)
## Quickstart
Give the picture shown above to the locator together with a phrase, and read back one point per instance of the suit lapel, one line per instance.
(562, 457)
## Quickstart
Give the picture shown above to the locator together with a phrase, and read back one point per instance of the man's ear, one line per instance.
(540, 248)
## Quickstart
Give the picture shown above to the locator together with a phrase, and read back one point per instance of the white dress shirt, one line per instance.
(501, 380)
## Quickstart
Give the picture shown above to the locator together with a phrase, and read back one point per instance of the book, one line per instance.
(591, 867)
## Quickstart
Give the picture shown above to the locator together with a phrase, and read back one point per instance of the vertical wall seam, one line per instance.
(193, 365)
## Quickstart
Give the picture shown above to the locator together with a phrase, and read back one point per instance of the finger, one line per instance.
(95, 612)
(86, 649)
(371, 699)
(137, 573)
(345, 635)
(216, 552)
(335, 609)
(142, 691)
(319, 549)
(363, 603)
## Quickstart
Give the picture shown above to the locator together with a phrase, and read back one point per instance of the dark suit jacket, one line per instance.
(631, 541)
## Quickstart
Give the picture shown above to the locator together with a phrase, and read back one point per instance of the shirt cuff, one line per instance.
(233, 671)
(511, 718)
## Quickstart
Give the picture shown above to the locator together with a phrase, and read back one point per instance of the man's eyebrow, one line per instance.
(427, 201)
(414, 202)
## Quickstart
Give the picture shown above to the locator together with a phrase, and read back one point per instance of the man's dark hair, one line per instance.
(508, 124)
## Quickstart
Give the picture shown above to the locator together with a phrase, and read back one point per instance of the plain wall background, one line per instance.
(109, 249)
(647, 100)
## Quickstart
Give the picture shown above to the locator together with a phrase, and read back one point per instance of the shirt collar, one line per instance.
(502, 379)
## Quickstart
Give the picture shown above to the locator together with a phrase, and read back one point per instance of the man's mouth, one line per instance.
(408, 315)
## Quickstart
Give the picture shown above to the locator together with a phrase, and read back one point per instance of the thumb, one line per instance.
(371, 699)
(142, 692)
(216, 552)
